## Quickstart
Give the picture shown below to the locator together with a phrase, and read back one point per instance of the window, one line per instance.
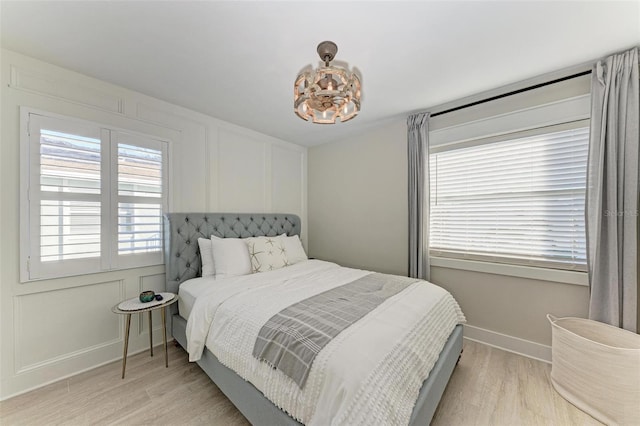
(95, 198)
(516, 199)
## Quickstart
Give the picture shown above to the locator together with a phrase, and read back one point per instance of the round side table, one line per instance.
(134, 306)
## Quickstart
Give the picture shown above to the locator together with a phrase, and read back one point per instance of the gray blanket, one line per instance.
(292, 338)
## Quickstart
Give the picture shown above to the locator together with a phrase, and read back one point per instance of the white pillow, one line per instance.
(206, 256)
(294, 249)
(230, 257)
(266, 253)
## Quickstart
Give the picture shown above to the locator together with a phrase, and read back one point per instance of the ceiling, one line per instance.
(237, 60)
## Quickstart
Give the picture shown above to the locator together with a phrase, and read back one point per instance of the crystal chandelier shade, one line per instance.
(328, 93)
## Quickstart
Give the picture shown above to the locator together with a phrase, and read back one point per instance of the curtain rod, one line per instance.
(514, 92)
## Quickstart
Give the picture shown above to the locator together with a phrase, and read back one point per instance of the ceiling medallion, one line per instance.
(327, 93)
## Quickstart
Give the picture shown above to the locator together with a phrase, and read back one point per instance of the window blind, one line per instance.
(518, 201)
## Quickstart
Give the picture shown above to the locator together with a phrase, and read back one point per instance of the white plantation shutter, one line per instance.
(518, 201)
(140, 199)
(65, 197)
(69, 221)
(95, 198)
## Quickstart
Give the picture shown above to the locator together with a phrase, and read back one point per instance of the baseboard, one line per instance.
(508, 343)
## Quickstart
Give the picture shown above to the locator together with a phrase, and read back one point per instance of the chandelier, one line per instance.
(327, 93)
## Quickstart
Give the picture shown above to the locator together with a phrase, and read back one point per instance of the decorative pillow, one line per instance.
(230, 257)
(294, 249)
(266, 253)
(206, 256)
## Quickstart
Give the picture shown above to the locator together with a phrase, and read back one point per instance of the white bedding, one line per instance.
(371, 373)
(189, 292)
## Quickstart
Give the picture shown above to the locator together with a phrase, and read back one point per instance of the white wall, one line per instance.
(56, 328)
(358, 201)
(358, 217)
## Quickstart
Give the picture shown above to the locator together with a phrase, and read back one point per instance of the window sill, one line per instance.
(543, 274)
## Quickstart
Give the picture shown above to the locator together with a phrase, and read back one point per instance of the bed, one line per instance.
(183, 264)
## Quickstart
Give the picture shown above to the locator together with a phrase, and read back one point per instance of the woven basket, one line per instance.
(596, 367)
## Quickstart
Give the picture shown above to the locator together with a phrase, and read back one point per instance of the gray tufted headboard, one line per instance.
(182, 230)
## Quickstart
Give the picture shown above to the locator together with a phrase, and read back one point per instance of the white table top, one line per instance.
(134, 304)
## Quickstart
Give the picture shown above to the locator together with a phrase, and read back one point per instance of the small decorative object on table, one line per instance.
(147, 296)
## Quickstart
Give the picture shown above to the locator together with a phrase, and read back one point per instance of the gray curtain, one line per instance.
(612, 191)
(418, 151)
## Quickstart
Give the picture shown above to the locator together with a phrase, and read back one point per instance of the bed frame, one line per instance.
(182, 262)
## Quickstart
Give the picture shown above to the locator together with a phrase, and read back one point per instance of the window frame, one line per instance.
(31, 269)
(523, 117)
(529, 272)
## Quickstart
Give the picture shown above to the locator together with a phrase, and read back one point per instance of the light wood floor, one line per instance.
(488, 387)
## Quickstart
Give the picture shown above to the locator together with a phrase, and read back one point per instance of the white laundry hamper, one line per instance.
(596, 367)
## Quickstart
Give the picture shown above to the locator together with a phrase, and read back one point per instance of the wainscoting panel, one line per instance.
(288, 182)
(59, 324)
(241, 172)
